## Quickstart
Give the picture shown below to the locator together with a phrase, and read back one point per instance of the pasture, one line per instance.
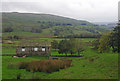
(92, 65)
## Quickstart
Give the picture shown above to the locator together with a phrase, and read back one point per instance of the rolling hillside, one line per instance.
(29, 24)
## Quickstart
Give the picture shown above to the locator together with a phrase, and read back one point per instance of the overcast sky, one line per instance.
(90, 10)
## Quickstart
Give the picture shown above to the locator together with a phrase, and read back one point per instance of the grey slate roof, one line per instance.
(34, 43)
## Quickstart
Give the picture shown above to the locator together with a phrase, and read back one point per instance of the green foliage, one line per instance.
(63, 46)
(8, 29)
(115, 39)
(96, 44)
(104, 43)
(72, 46)
(54, 44)
(13, 37)
(31, 25)
(16, 37)
(36, 30)
(109, 40)
(79, 46)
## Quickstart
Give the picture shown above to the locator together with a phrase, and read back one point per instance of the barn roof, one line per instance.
(34, 43)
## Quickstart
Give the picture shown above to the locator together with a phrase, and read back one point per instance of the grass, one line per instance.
(21, 34)
(10, 73)
(10, 48)
(92, 66)
(103, 66)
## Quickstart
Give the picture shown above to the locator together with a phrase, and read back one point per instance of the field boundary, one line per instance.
(67, 55)
(51, 55)
(7, 54)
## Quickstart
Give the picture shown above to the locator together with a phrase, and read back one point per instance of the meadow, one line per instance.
(11, 48)
(92, 65)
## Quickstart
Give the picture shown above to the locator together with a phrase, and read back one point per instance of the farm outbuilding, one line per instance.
(33, 49)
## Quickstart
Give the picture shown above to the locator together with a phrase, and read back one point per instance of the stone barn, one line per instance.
(33, 49)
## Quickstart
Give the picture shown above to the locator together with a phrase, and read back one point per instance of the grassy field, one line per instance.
(11, 49)
(92, 66)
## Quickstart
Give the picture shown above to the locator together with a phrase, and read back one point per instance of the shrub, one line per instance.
(23, 65)
(46, 65)
(8, 29)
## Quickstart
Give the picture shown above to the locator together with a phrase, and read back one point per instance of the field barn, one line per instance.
(30, 48)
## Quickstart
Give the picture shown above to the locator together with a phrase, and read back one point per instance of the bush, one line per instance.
(46, 65)
(23, 65)
(8, 29)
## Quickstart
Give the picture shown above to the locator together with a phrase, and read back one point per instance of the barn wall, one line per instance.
(29, 51)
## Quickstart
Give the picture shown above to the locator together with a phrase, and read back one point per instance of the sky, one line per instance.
(89, 10)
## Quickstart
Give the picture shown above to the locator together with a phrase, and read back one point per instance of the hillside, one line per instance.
(29, 24)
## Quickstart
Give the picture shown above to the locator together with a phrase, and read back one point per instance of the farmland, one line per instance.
(92, 65)
(96, 44)
(40, 25)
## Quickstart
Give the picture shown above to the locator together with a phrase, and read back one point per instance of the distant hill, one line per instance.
(29, 24)
(107, 24)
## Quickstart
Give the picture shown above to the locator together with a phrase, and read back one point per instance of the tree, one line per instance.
(79, 46)
(115, 39)
(104, 41)
(71, 46)
(16, 37)
(54, 44)
(10, 37)
(36, 30)
(8, 29)
(108, 40)
(96, 44)
(63, 46)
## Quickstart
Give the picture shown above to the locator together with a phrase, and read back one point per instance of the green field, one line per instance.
(11, 49)
(21, 27)
(102, 66)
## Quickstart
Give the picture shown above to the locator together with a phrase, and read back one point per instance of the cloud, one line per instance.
(91, 10)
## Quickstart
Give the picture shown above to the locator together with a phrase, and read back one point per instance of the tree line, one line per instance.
(83, 35)
(108, 41)
(71, 46)
(104, 43)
